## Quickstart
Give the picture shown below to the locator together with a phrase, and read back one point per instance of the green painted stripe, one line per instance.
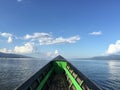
(45, 79)
(62, 65)
(74, 82)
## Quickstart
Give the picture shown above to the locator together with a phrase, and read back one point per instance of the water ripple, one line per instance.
(105, 73)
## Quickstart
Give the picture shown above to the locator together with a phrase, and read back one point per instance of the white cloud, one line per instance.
(41, 38)
(19, 0)
(4, 34)
(52, 54)
(5, 50)
(59, 40)
(96, 33)
(9, 40)
(45, 55)
(114, 48)
(26, 48)
(56, 52)
(47, 39)
(63, 40)
(33, 40)
(8, 36)
(37, 36)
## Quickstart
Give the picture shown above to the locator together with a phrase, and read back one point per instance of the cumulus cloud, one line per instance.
(9, 40)
(41, 38)
(35, 40)
(56, 52)
(96, 33)
(26, 48)
(46, 55)
(114, 48)
(4, 34)
(52, 54)
(47, 39)
(8, 36)
(5, 50)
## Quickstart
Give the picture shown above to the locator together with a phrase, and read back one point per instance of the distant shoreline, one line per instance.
(109, 57)
(9, 55)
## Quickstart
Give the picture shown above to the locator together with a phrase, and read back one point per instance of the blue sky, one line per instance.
(72, 28)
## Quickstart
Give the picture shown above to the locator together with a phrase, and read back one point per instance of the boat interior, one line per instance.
(58, 75)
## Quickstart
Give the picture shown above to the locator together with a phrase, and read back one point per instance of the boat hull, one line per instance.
(58, 74)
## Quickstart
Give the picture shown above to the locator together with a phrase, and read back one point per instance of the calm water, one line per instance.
(106, 73)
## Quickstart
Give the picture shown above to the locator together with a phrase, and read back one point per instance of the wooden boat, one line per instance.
(58, 74)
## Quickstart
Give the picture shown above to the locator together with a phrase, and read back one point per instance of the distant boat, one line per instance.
(58, 74)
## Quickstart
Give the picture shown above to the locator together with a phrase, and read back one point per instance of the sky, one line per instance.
(72, 28)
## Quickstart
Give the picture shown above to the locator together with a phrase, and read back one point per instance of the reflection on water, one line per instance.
(114, 74)
(105, 73)
(114, 67)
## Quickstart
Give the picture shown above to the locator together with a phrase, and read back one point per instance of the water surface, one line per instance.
(106, 73)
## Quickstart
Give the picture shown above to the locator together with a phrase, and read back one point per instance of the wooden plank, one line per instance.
(59, 83)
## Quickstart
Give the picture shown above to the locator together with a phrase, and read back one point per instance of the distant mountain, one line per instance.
(8, 55)
(109, 57)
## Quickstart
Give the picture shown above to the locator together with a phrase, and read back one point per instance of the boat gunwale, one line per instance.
(27, 83)
(91, 84)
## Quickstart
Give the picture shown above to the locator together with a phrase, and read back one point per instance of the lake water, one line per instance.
(106, 73)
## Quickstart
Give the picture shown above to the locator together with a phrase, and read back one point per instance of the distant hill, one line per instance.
(8, 55)
(109, 57)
